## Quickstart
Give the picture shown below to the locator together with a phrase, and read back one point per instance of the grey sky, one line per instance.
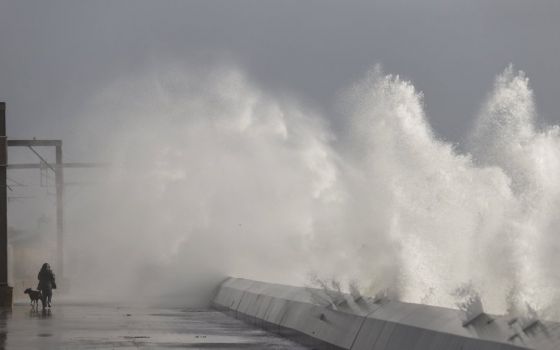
(55, 54)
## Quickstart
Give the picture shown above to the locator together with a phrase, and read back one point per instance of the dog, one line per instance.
(34, 295)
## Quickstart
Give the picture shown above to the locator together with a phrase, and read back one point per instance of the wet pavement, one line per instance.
(112, 327)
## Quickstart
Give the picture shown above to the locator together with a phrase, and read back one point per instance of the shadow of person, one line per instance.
(37, 313)
(46, 313)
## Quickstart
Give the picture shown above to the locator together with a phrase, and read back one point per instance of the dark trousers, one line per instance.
(46, 296)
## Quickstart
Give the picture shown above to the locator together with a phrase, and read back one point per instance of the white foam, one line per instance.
(216, 177)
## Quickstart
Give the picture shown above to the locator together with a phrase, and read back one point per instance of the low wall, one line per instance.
(307, 316)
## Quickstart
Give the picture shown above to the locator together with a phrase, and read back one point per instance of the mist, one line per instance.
(212, 176)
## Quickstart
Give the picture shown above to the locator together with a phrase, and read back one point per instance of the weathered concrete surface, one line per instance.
(109, 327)
(313, 317)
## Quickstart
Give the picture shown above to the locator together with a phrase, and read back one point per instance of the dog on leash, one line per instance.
(34, 295)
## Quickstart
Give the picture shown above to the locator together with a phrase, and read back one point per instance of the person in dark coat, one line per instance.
(46, 284)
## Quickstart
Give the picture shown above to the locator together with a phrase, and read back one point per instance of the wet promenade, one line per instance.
(74, 326)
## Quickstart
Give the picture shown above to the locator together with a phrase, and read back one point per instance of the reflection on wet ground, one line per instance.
(104, 326)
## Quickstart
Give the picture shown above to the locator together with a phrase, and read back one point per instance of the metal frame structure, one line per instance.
(59, 181)
(58, 170)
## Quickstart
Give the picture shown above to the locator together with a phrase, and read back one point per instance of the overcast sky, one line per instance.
(55, 54)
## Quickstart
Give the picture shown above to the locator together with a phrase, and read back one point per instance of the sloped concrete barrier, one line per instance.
(315, 318)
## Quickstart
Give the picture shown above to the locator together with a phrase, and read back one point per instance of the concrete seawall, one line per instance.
(310, 317)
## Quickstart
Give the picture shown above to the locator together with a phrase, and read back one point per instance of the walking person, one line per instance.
(46, 284)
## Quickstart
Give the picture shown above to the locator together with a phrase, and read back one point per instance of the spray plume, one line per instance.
(214, 177)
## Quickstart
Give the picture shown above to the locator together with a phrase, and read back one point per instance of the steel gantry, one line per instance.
(58, 169)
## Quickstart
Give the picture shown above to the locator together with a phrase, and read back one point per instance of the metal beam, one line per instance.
(72, 165)
(34, 143)
(41, 158)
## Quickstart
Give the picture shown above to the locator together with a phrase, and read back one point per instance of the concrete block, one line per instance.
(230, 293)
(369, 334)
(391, 325)
(426, 341)
(396, 311)
(277, 311)
(404, 337)
(334, 327)
(384, 337)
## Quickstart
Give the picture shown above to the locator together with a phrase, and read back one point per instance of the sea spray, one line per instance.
(506, 136)
(213, 176)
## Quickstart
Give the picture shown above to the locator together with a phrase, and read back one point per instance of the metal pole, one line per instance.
(3, 199)
(59, 178)
(5, 290)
